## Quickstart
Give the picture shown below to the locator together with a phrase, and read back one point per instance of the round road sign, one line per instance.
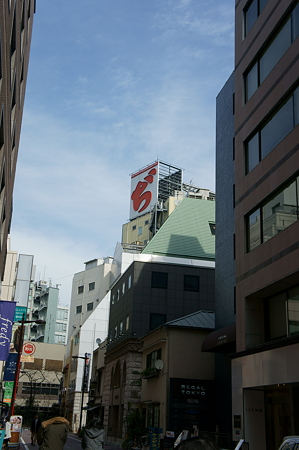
(29, 348)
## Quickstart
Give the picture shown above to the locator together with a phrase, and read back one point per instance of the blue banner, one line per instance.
(10, 367)
(7, 312)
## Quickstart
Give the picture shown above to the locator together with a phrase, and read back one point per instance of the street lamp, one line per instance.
(86, 358)
(18, 365)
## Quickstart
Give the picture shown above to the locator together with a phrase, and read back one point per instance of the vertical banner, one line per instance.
(86, 372)
(10, 367)
(8, 388)
(7, 312)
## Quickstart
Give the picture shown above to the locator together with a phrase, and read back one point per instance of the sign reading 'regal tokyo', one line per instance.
(7, 311)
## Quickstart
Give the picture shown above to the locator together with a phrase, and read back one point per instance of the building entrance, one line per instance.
(270, 414)
(282, 412)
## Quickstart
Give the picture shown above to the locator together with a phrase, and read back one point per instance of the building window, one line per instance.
(112, 299)
(153, 414)
(159, 280)
(191, 283)
(212, 228)
(139, 231)
(282, 318)
(127, 323)
(123, 289)
(276, 128)
(77, 340)
(156, 320)
(40, 388)
(117, 295)
(80, 289)
(115, 332)
(1, 131)
(121, 328)
(91, 286)
(277, 47)
(79, 309)
(251, 12)
(133, 227)
(152, 357)
(146, 222)
(130, 282)
(89, 306)
(274, 215)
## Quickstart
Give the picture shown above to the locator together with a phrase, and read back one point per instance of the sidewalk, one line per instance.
(107, 445)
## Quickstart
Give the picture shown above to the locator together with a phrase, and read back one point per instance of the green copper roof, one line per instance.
(187, 232)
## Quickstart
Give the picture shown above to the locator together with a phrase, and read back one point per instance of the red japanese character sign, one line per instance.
(144, 190)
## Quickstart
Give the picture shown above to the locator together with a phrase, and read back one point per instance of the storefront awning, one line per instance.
(218, 340)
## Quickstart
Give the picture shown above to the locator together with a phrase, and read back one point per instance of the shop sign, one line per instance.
(19, 312)
(27, 358)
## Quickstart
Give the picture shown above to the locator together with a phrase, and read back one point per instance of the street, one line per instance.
(73, 443)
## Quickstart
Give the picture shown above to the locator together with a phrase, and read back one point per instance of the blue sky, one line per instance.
(112, 86)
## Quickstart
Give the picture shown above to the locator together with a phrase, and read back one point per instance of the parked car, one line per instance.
(290, 443)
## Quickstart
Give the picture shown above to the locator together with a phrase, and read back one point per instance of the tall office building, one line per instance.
(265, 375)
(16, 18)
(44, 305)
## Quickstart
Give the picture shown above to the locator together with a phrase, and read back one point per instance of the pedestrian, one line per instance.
(93, 435)
(7, 427)
(197, 443)
(35, 426)
(52, 434)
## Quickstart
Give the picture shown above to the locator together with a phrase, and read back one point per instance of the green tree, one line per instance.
(135, 425)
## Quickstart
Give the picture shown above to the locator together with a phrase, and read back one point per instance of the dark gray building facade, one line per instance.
(261, 178)
(223, 341)
(150, 294)
(16, 19)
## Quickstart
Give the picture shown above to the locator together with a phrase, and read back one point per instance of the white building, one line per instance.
(89, 313)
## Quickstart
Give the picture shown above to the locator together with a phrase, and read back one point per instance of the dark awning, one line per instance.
(219, 339)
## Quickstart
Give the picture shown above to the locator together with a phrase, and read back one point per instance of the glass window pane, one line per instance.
(251, 15)
(254, 230)
(252, 153)
(159, 280)
(293, 311)
(275, 51)
(280, 212)
(262, 5)
(191, 283)
(296, 107)
(277, 316)
(295, 22)
(251, 82)
(277, 128)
